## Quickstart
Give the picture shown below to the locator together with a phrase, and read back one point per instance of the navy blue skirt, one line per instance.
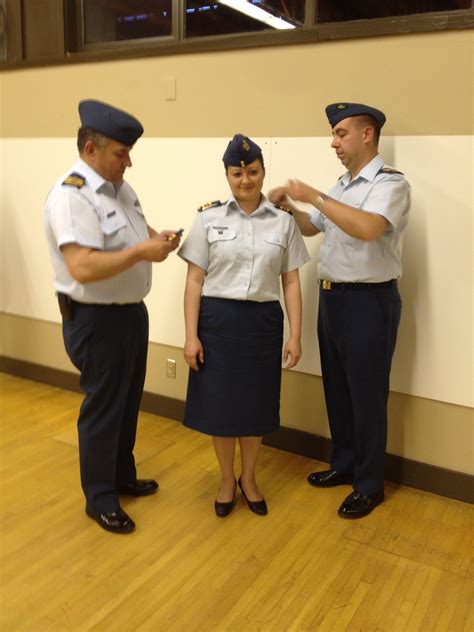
(236, 392)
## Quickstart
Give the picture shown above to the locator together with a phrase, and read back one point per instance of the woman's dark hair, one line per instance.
(259, 158)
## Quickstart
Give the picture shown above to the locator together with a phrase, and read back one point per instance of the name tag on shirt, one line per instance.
(220, 229)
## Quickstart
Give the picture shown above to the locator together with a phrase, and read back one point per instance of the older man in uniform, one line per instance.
(102, 249)
(363, 218)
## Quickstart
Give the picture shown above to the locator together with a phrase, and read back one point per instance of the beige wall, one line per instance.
(422, 80)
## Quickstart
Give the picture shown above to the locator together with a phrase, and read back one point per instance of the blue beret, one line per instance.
(110, 121)
(336, 112)
(241, 151)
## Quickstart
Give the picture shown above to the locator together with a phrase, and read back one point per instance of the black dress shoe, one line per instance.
(115, 521)
(357, 505)
(224, 509)
(141, 487)
(258, 507)
(329, 478)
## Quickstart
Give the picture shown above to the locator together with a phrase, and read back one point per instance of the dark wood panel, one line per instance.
(13, 31)
(43, 29)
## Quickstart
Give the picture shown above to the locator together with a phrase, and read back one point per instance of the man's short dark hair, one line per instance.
(366, 120)
(87, 133)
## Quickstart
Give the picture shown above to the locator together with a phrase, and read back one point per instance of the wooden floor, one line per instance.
(406, 567)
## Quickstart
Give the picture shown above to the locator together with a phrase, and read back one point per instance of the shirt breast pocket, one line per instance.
(114, 229)
(222, 241)
(275, 245)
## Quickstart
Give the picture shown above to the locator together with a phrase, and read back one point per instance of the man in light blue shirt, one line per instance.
(363, 219)
(102, 251)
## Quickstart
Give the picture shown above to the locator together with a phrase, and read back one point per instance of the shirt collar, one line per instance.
(368, 172)
(95, 180)
(265, 205)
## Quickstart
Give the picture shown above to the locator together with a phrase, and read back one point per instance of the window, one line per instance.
(344, 10)
(116, 20)
(56, 31)
(220, 17)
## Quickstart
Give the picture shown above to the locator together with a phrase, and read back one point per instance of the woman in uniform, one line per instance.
(236, 253)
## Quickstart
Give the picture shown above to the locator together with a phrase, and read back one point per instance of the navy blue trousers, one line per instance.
(108, 344)
(357, 331)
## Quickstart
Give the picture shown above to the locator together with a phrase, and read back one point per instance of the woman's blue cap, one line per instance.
(336, 112)
(241, 151)
(110, 121)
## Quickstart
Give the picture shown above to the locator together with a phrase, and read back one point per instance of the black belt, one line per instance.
(332, 285)
(68, 306)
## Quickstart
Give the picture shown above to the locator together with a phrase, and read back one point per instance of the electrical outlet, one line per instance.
(171, 368)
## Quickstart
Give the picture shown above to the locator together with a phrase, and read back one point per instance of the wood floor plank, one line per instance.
(407, 567)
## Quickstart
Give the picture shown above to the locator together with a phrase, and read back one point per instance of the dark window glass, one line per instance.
(240, 16)
(346, 10)
(114, 20)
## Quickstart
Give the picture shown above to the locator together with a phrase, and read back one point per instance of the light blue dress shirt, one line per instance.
(101, 216)
(244, 255)
(344, 258)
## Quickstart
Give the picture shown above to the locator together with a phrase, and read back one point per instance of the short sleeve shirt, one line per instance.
(244, 255)
(101, 216)
(347, 259)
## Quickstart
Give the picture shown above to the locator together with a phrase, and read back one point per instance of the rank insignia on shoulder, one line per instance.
(283, 208)
(390, 170)
(74, 180)
(204, 207)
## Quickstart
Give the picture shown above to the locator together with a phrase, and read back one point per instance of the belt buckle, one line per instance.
(326, 285)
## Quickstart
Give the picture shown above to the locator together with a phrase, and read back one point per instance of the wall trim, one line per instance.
(423, 476)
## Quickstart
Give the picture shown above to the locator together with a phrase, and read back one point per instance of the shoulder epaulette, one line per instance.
(204, 207)
(74, 180)
(283, 208)
(389, 170)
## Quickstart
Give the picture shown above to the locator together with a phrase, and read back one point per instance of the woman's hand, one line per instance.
(193, 350)
(292, 349)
